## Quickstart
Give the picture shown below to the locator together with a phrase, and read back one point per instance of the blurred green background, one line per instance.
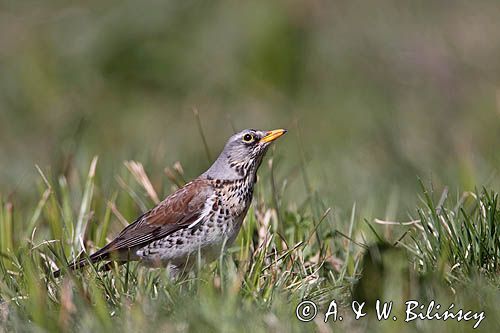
(374, 93)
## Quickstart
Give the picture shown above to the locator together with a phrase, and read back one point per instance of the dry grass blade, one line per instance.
(44, 178)
(68, 308)
(176, 174)
(325, 214)
(117, 213)
(137, 170)
(415, 223)
(200, 129)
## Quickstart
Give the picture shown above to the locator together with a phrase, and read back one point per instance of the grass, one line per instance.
(286, 252)
(373, 95)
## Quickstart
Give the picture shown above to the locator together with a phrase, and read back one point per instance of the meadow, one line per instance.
(385, 187)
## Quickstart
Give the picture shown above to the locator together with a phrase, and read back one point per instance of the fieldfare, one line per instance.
(198, 219)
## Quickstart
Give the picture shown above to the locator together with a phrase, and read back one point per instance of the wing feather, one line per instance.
(178, 210)
(182, 208)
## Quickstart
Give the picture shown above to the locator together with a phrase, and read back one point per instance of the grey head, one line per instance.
(242, 154)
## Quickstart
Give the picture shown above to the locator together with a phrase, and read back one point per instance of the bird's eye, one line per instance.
(247, 138)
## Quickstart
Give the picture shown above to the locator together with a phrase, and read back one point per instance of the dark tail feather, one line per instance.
(77, 264)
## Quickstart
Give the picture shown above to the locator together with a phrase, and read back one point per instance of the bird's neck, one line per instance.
(225, 168)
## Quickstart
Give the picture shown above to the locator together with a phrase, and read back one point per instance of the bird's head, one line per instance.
(243, 154)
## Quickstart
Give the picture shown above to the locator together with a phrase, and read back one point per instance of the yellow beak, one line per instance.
(272, 135)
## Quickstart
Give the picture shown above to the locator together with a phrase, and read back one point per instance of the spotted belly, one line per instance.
(183, 247)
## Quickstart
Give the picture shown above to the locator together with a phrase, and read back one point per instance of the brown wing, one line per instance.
(178, 210)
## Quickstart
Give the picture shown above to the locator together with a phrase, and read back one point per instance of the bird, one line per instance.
(199, 219)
